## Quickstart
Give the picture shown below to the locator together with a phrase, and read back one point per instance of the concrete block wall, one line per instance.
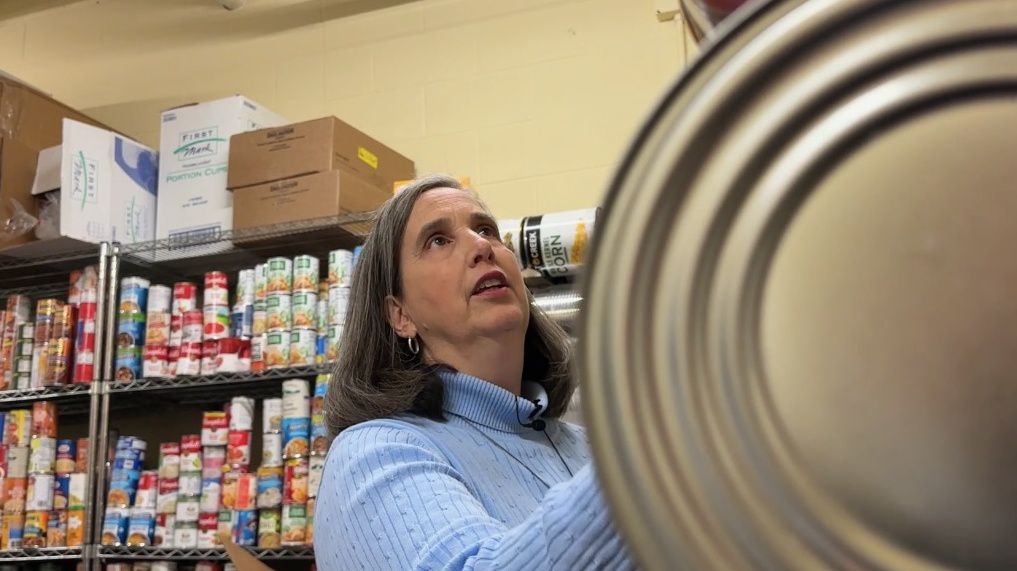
(535, 100)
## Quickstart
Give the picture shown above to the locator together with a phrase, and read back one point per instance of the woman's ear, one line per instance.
(398, 319)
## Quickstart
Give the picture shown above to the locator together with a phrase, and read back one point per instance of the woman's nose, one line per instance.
(482, 250)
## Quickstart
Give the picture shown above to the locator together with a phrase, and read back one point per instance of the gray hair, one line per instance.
(376, 376)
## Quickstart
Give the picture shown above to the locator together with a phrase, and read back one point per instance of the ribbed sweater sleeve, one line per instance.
(391, 500)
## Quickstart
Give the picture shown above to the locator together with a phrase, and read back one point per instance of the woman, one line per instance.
(445, 400)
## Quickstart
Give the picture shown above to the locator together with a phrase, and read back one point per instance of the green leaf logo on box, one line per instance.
(199, 143)
(84, 174)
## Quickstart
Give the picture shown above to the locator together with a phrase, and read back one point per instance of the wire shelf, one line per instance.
(43, 554)
(218, 554)
(213, 387)
(16, 397)
(47, 262)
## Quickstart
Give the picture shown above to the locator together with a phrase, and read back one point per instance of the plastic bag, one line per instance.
(49, 217)
(19, 222)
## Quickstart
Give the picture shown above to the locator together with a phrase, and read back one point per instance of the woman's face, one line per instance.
(459, 281)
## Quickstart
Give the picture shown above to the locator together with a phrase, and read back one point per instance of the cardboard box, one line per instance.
(315, 146)
(194, 144)
(331, 193)
(17, 171)
(107, 189)
(32, 118)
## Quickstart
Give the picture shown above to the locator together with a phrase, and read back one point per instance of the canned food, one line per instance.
(272, 449)
(128, 364)
(189, 485)
(130, 331)
(234, 355)
(258, 353)
(215, 428)
(269, 527)
(296, 435)
(247, 492)
(238, 451)
(319, 433)
(272, 414)
(148, 490)
(141, 527)
(555, 244)
(61, 492)
(259, 318)
(208, 525)
(163, 535)
(305, 309)
(190, 453)
(185, 535)
(277, 349)
(42, 459)
(278, 311)
(209, 353)
(335, 334)
(18, 431)
(160, 298)
(133, 294)
(245, 287)
(44, 419)
(241, 415)
(169, 460)
(302, 347)
(77, 491)
(294, 525)
(321, 385)
(305, 273)
(121, 493)
(188, 509)
(189, 362)
(227, 522)
(66, 456)
(216, 321)
(13, 531)
(246, 530)
(216, 289)
(340, 267)
(157, 328)
(169, 492)
(192, 326)
(56, 531)
(40, 492)
(296, 399)
(211, 494)
(279, 274)
(185, 297)
(34, 535)
(214, 460)
(114, 526)
(295, 481)
(17, 461)
(321, 317)
(338, 300)
(59, 360)
(270, 487)
(242, 321)
(315, 470)
(260, 281)
(309, 536)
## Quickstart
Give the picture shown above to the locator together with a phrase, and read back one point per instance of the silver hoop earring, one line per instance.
(413, 345)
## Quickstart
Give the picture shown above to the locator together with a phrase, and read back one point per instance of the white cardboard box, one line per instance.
(107, 185)
(194, 145)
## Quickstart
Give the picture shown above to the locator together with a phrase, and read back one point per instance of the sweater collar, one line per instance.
(485, 403)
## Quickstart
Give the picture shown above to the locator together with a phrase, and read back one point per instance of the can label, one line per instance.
(338, 300)
(305, 309)
(271, 415)
(319, 434)
(238, 451)
(216, 322)
(185, 535)
(211, 494)
(66, 456)
(18, 430)
(169, 460)
(42, 459)
(279, 274)
(233, 355)
(209, 352)
(260, 281)
(247, 492)
(294, 525)
(56, 531)
(245, 532)
(272, 449)
(157, 330)
(192, 326)
(305, 273)
(188, 510)
(114, 526)
(269, 528)
(278, 311)
(215, 428)
(242, 321)
(34, 534)
(340, 267)
(190, 484)
(215, 459)
(61, 492)
(163, 535)
(167, 502)
(309, 536)
(555, 244)
(277, 349)
(295, 482)
(259, 321)
(227, 521)
(335, 334)
(77, 494)
(241, 413)
(270, 487)
(141, 528)
(44, 419)
(296, 400)
(40, 493)
(315, 470)
(302, 347)
(160, 298)
(322, 319)
(296, 435)
(13, 531)
(148, 490)
(133, 295)
(246, 287)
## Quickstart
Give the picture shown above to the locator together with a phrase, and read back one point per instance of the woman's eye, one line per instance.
(488, 231)
(438, 241)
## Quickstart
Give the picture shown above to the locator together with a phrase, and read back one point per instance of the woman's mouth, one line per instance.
(491, 284)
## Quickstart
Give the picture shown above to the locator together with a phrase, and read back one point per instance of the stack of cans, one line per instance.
(242, 317)
(141, 526)
(259, 323)
(304, 316)
(130, 328)
(320, 442)
(24, 348)
(51, 349)
(340, 274)
(123, 488)
(192, 464)
(270, 475)
(169, 488)
(41, 476)
(216, 320)
(84, 295)
(239, 497)
(278, 312)
(184, 357)
(17, 312)
(296, 427)
(155, 357)
(16, 453)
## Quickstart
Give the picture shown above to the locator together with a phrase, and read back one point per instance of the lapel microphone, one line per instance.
(535, 393)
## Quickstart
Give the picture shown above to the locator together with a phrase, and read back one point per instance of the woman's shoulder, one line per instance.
(395, 431)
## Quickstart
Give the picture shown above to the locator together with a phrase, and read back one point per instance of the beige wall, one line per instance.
(535, 100)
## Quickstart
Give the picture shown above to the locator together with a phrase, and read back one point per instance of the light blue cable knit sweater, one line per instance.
(414, 493)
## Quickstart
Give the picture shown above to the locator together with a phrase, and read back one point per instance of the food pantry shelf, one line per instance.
(216, 387)
(22, 274)
(263, 553)
(50, 554)
(19, 397)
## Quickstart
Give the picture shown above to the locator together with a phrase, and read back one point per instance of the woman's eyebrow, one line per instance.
(427, 229)
(482, 218)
